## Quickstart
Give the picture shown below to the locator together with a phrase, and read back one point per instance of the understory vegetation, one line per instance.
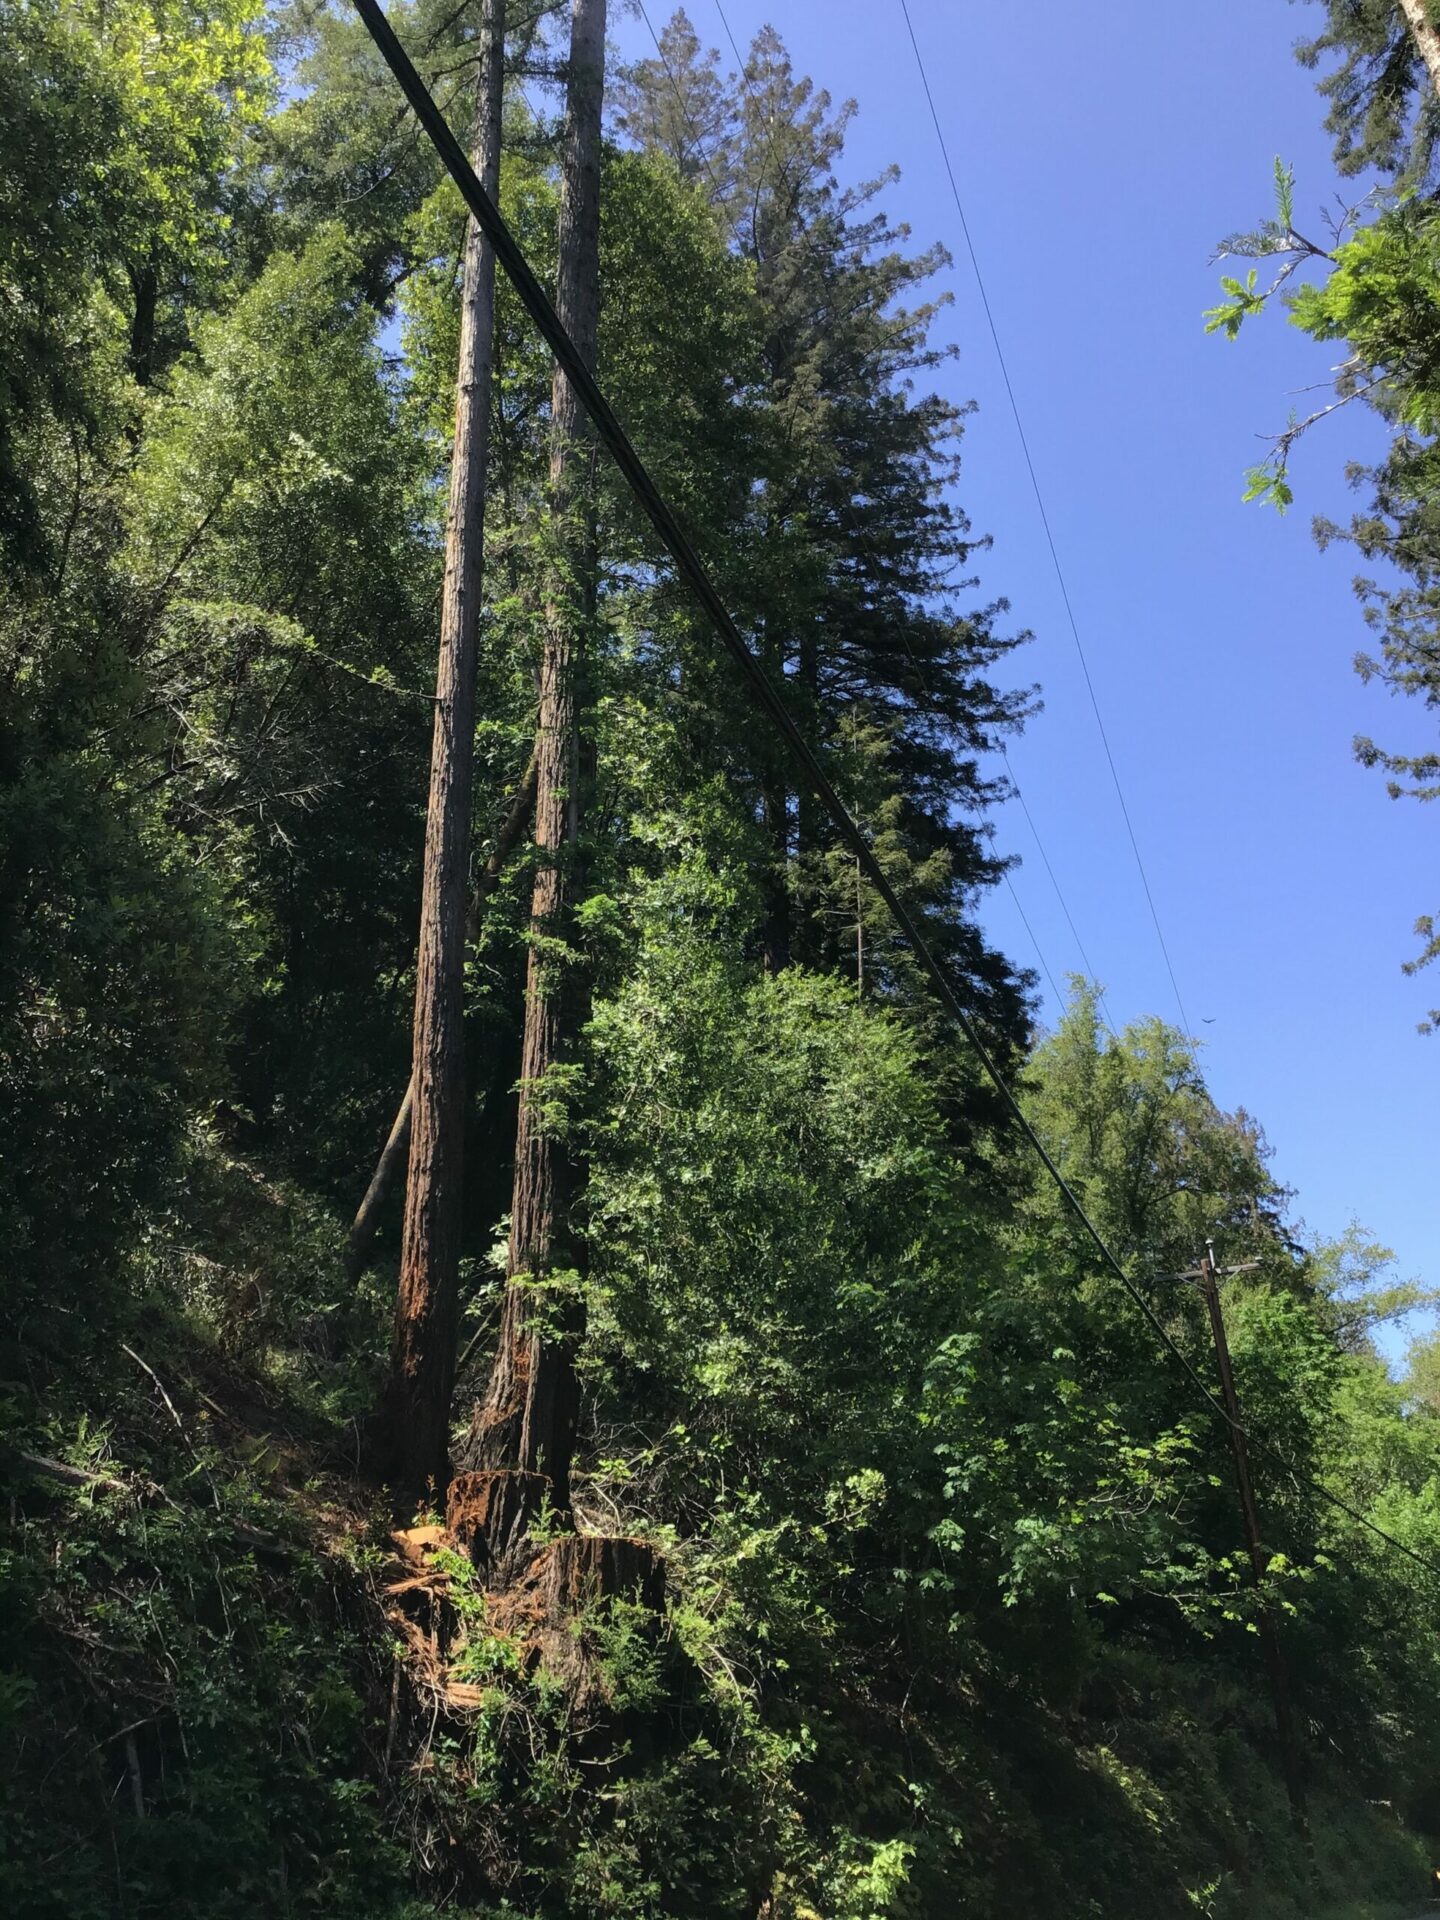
(944, 1603)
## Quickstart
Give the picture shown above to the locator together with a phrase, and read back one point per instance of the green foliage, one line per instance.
(958, 1614)
(241, 1790)
(189, 1682)
(123, 128)
(1242, 303)
(1380, 105)
(1377, 289)
(118, 960)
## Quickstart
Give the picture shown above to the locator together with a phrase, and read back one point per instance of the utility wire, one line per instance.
(935, 714)
(719, 201)
(1090, 972)
(1045, 519)
(1034, 937)
(860, 531)
(1216, 1406)
(688, 563)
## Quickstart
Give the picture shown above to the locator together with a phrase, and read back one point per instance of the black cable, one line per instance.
(676, 542)
(1045, 523)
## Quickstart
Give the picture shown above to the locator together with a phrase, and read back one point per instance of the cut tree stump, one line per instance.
(491, 1514)
(579, 1569)
(490, 1517)
(550, 1599)
(543, 1594)
(546, 1610)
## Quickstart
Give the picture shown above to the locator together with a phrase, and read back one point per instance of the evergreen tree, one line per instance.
(849, 552)
(956, 1608)
(427, 1308)
(1380, 93)
(525, 1426)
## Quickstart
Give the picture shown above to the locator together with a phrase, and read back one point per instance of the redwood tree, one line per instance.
(526, 1423)
(426, 1315)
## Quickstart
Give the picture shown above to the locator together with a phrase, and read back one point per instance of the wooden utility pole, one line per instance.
(1425, 35)
(524, 1429)
(417, 1409)
(1208, 1275)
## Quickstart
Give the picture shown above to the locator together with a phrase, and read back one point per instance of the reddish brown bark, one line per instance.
(396, 1151)
(490, 1515)
(526, 1421)
(427, 1310)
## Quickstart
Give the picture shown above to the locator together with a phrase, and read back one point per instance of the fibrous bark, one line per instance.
(396, 1150)
(526, 1422)
(427, 1310)
(490, 1515)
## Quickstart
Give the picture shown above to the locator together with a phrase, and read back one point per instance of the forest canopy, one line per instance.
(712, 1475)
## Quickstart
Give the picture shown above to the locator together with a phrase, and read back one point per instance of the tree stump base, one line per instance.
(572, 1576)
(577, 1571)
(562, 1595)
(490, 1515)
(549, 1596)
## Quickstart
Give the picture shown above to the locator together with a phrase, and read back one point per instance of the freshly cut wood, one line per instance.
(547, 1599)
(569, 1577)
(415, 1583)
(418, 1543)
(490, 1516)
(463, 1696)
(546, 1610)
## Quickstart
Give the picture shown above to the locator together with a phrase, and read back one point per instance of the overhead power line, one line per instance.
(719, 202)
(856, 527)
(1045, 520)
(690, 567)
(1090, 972)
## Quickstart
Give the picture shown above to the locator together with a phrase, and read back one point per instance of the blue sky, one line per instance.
(1101, 152)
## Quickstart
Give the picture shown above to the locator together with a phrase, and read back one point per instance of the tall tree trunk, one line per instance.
(422, 1364)
(775, 818)
(1425, 35)
(145, 286)
(775, 923)
(812, 941)
(396, 1151)
(526, 1421)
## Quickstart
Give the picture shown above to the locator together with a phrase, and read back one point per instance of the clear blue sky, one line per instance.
(1101, 152)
